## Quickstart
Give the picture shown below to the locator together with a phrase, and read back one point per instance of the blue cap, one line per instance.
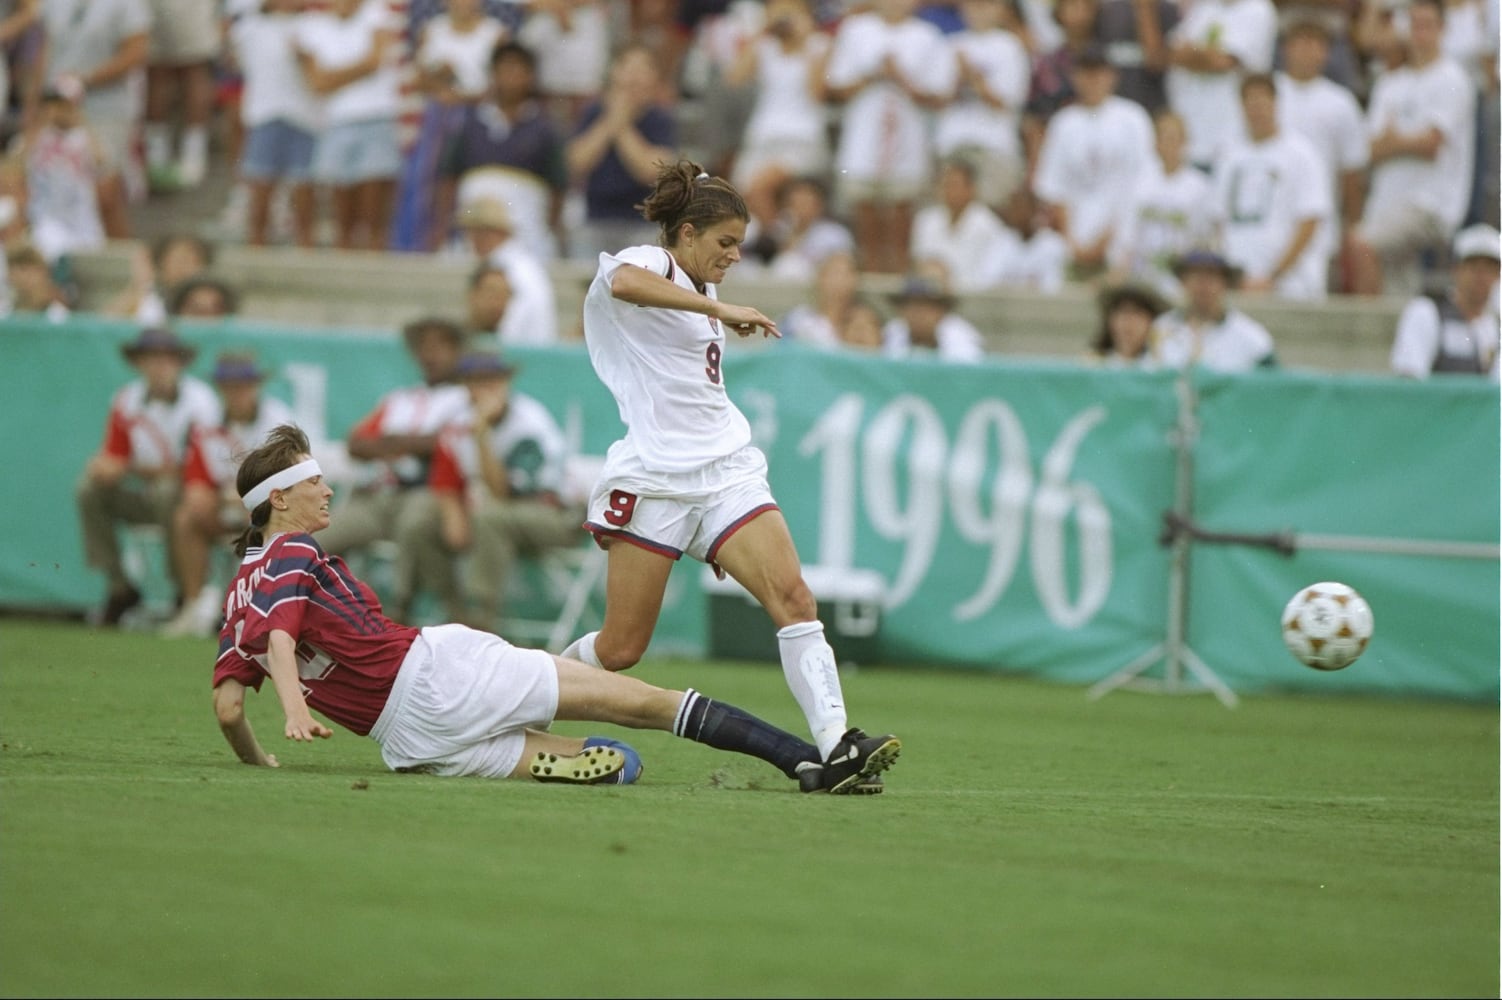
(158, 340)
(484, 364)
(1203, 257)
(237, 368)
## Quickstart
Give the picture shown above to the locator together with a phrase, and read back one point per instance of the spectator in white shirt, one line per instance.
(1326, 114)
(1421, 120)
(348, 58)
(1205, 332)
(1457, 331)
(983, 119)
(531, 315)
(281, 118)
(1167, 213)
(1217, 43)
(962, 231)
(1093, 151)
(927, 324)
(786, 134)
(1272, 196)
(888, 69)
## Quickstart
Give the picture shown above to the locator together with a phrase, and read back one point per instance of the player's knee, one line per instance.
(793, 602)
(619, 654)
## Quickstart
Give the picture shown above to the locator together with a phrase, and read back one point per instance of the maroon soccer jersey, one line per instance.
(348, 653)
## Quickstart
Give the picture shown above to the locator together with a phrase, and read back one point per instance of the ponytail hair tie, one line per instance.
(702, 176)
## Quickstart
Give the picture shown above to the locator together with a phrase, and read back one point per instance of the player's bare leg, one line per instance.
(635, 580)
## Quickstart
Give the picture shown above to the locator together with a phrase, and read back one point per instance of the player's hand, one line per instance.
(305, 729)
(745, 321)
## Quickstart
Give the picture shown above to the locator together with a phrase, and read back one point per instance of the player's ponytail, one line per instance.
(685, 193)
(282, 449)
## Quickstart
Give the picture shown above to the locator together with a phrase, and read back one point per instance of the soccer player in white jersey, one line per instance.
(686, 478)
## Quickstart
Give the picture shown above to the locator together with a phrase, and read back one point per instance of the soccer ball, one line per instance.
(1327, 625)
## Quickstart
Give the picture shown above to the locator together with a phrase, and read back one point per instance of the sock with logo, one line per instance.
(809, 668)
(726, 727)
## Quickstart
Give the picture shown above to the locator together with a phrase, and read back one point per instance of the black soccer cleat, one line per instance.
(591, 766)
(854, 766)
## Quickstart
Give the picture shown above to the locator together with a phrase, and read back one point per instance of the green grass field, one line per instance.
(1030, 843)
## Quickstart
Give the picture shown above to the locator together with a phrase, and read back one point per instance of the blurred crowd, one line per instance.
(1324, 146)
(1164, 153)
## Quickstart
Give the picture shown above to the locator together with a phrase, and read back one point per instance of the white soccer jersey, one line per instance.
(1090, 158)
(664, 368)
(1263, 190)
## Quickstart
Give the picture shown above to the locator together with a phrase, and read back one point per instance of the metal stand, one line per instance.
(1174, 651)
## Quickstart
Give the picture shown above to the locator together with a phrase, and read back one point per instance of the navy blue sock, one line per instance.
(726, 727)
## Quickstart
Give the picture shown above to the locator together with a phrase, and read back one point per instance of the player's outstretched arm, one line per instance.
(642, 287)
(281, 657)
(229, 708)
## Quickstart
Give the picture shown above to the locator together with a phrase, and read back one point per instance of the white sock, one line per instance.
(809, 668)
(157, 137)
(583, 650)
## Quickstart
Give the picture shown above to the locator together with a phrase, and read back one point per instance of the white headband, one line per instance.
(261, 492)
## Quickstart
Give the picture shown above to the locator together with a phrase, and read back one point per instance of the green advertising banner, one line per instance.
(1012, 513)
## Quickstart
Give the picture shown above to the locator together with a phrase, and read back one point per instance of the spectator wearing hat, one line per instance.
(510, 149)
(1205, 332)
(1273, 204)
(1127, 337)
(1214, 46)
(1093, 151)
(530, 317)
(210, 511)
(1455, 331)
(926, 324)
(393, 446)
(497, 494)
(135, 476)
